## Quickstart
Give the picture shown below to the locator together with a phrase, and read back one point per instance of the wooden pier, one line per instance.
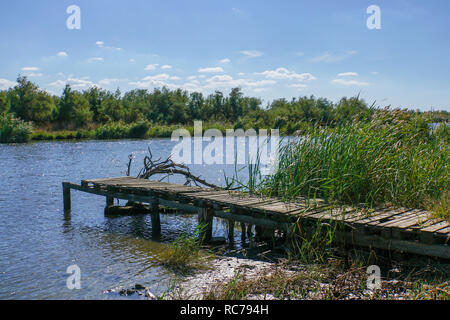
(394, 229)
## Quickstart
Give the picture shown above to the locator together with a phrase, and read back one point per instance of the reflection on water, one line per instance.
(38, 241)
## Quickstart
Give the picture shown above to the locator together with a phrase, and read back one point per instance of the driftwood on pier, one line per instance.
(167, 167)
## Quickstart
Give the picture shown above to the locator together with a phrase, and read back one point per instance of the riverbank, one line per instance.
(338, 278)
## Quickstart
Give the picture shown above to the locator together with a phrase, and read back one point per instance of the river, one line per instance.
(38, 242)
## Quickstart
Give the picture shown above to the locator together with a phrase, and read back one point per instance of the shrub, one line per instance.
(139, 129)
(14, 130)
(112, 130)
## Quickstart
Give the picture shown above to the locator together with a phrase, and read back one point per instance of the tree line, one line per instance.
(95, 107)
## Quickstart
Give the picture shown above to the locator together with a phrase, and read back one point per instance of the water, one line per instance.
(38, 241)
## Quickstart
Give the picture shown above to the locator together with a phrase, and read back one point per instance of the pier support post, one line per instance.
(250, 235)
(66, 198)
(231, 231)
(156, 219)
(243, 233)
(205, 217)
(109, 201)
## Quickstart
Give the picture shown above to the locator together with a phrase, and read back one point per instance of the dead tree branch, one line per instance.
(168, 168)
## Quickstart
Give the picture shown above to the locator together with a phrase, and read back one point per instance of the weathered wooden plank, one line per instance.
(444, 231)
(384, 216)
(441, 251)
(406, 220)
(435, 227)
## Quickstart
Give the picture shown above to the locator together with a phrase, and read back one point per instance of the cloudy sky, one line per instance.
(270, 49)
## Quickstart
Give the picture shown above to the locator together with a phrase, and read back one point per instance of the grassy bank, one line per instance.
(119, 130)
(338, 279)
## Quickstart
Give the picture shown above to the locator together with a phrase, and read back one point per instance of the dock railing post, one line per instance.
(66, 197)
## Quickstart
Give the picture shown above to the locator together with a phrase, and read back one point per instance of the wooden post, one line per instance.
(250, 234)
(231, 231)
(244, 230)
(66, 198)
(109, 201)
(156, 219)
(205, 217)
(231, 226)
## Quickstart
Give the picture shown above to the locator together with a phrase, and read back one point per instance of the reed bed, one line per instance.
(388, 160)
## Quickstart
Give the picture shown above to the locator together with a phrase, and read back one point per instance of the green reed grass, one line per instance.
(386, 160)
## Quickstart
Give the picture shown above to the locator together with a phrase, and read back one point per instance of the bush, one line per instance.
(139, 129)
(14, 130)
(112, 130)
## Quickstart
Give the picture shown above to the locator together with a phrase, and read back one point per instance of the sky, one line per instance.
(271, 49)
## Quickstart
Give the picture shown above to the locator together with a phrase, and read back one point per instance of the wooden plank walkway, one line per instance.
(399, 229)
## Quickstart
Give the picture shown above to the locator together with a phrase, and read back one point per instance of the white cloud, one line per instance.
(211, 70)
(226, 60)
(191, 78)
(159, 77)
(330, 57)
(348, 74)
(297, 85)
(80, 83)
(349, 82)
(132, 60)
(75, 83)
(58, 84)
(62, 54)
(261, 89)
(237, 11)
(375, 72)
(241, 74)
(151, 67)
(192, 86)
(251, 53)
(228, 81)
(101, 45)
(299, 54)
(95, 59)
(30, 69)
(6, 84)
(166, 66)
(283, 73)
(110, 81)
(175, 78)
(33, 74)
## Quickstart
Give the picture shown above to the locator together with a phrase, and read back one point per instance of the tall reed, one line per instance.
(387, 160)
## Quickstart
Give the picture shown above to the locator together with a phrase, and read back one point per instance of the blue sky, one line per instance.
(271, 49)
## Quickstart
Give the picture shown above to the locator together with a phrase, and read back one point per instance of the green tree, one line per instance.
(74, 108)
(30, 103)
(4, 103)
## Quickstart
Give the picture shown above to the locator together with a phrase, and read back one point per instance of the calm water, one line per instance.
(38, 242)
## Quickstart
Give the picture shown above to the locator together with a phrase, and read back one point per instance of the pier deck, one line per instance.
(397, 229)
